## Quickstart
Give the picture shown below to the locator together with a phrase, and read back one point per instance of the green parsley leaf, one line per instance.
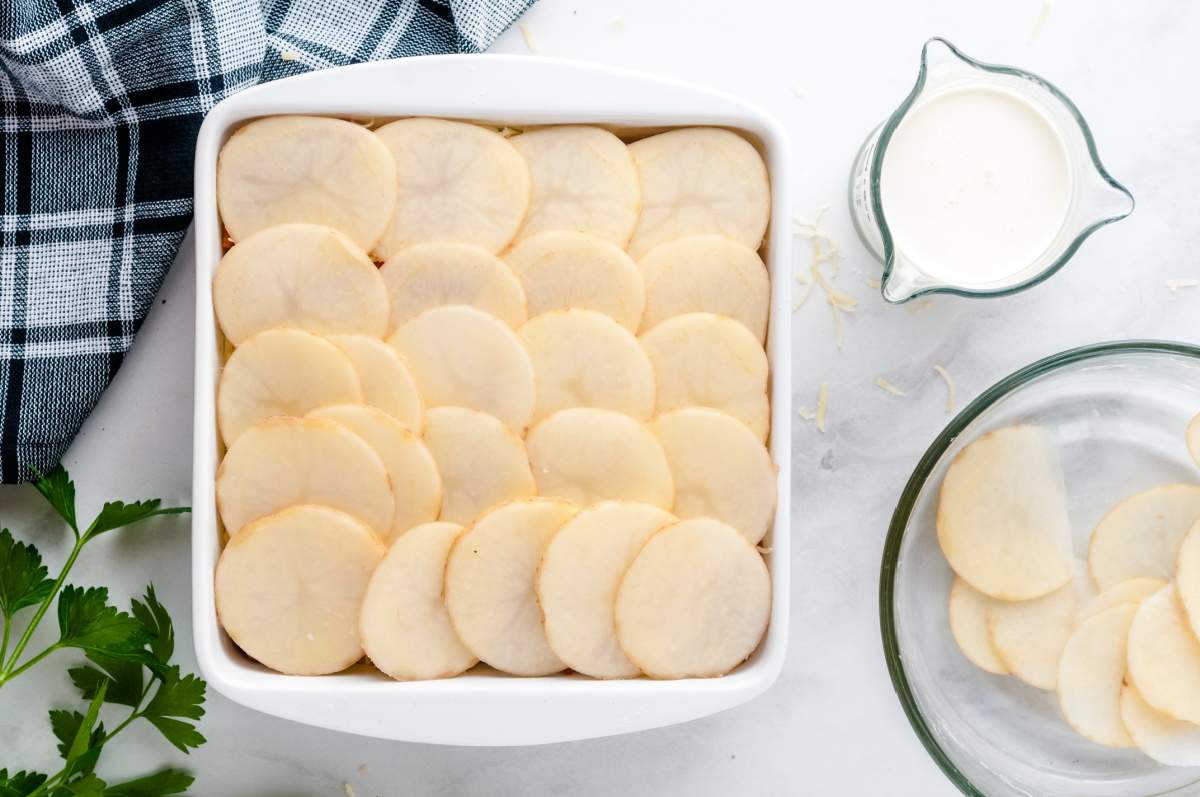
(116, 514)
(23, 580)
(177, 696)
(86, 621)
(123, 676)
(87, 786)
(156, 622)
(58, 489)
(160, 784)
(19, 784)
(66, 725)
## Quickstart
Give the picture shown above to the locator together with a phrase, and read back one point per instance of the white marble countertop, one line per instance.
(831, 725)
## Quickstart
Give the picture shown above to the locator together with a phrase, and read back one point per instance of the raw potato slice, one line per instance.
(586, 455)
(455, 182)
(1140, 537)
(413, 474)
(482, 462)
(694, 603)
(577, 583)
(432, 274)
(562, 270)
(1090, 674)
(289, 588)
(385, 381)
(583, 180)
(1133, 591)
(306, 169)
(1187, 578)
(1164, 657)
(461, 356)
(585, 359)
(286, 461)
(1029, 636)
(709, 274)
(700, 180)
(490, 585)
(1168, 741)
(302, 276)
(719, 468)
(282, 372)
(969, 625)
(1002, 515)
(406, 631)
(704, 360)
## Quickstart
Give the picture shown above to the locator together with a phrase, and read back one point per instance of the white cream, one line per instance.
(975, 185)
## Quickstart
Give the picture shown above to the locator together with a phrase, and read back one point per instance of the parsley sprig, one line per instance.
(128, 657)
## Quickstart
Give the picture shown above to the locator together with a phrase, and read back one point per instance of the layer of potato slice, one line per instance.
(289, 587)
(694, 603)
(1167, 740)
(405, 628)
(411, 470)
(1134, 591)
(432, 274)
(561, 270)
(462, 357)
(454, 182)
(720, 469)
(583, 180)
(1140, 537)
(310, 169)
(1090, 674)
(1164, 656)
(385, 380)
(302, 276)
(482, 461)
(588, 455)
(489, 590)
(1029, 636)
(968, 611)
(706, 274)
(582, 358)
(577, 583)
(282, 372)
(706, 360)
(700, 180)
(1187, 578)
(1002, 515)
(286, 461)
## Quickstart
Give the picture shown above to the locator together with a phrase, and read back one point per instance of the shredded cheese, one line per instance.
(839, 326)
(288, 55)
(808, 289)
(1175, 285)
(950, 388)
(348, 789)
(888, 387)
(1042, 16)
(805, 413)
(527, 35)
(822, 407)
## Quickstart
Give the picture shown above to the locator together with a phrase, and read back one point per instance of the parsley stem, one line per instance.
(4, 638)
(6, 673)
(31, 662)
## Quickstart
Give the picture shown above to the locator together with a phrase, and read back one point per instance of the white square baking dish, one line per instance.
(484, 707)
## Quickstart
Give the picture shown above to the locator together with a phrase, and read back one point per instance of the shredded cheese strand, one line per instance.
(822, 406)
(888, 387)
(527, 35)
(805, 413)
(1175, 285)
(950, 387)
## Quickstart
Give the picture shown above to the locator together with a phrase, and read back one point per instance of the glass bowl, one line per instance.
(1118, 412)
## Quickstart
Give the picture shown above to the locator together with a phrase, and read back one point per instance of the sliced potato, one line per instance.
(1029, 636)
(309, 169)
(583, 180)
(455, 182)
(289, 587)
(694, 603)
(385, 380)
(282, 372)
(969, 625)
(720, 469)
(1187, 578)
(1164, 657)
(700, 180)
(405, 628)
(1002, 515)
(432, 274)
(705, 360)
(413, 474)
(706, 274)
(563, 270)
(282, 462)
(301, 276)
(490, 585)
(587, 455)
(1133, 591)
(482, 462)
(1168, 741)
(1140, 537)
(583, 358)
(577, 582)
(1090, 674)
(460, 356)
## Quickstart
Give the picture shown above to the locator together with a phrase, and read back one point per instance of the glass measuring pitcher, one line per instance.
(985, 181)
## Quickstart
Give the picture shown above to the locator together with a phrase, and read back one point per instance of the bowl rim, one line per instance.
(912, 489)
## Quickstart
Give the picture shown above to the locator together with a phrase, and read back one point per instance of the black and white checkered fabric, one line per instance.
(100, 103)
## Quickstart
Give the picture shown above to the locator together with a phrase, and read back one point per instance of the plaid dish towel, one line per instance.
(100, 103)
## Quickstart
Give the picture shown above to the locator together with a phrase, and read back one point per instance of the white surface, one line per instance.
(831, 725)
